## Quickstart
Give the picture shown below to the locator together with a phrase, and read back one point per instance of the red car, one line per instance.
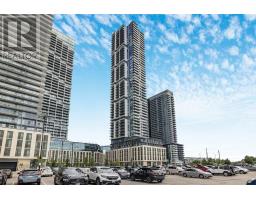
(203, 168)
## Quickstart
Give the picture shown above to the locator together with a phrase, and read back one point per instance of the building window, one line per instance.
(8, 143)
(44, 145)
(38, 145)
(1, 139)
(19, 144)
(27, 144)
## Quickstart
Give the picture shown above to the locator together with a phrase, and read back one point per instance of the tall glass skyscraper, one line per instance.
(129, 113)
(21, 78)
(56, 99)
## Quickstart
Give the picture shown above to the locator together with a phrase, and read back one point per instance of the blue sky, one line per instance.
(208, 61)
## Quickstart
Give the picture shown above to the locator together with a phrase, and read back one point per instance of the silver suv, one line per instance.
(103, 175)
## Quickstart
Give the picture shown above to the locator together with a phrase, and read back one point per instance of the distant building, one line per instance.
(162, 124)
(56, 99)
(18, 147)
(129, 113)
(74, 153)
(130, 142)
(138, 152)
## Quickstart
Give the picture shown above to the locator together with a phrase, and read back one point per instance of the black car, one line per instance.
(70, 176)
(8, 172)
(251, 182)
(122, 173)
(3, 178)
(147, 174)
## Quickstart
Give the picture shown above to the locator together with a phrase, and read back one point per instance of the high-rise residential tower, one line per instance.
(56, 99)
(129, 113)
(162, 124)
(21, 78)
(162, 120)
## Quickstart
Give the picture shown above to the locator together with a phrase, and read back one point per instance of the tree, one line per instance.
(67, 163)
(227, 162)
(196, 162)
(249, 160)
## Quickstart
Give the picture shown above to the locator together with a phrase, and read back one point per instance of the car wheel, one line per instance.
(201, 176)
(82, 182)
(185, 175)
(98, 181)
(132, 177)
(38, 183)
(160, 181)
(149, 180)
(241, 172)
(225, 173)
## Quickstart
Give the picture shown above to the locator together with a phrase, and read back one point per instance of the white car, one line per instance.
(85, 171)
(47, 171)
(241, 170)
(103, 175)
(173, 170)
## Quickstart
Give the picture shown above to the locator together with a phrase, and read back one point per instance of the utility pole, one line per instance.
(219, 156)
(206, 154)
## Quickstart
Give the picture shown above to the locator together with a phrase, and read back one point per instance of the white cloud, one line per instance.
(107, 20)
(250, 17)
(161, 27)
(234, 29)
(227, 66)
(233, 51)
(202, 36)
(183, 17)
(212, 67)
(212, 53)
(175, 38)
(144, 20)
(247, 62)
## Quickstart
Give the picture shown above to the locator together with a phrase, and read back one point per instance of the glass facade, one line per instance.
(1, 139)
(28, 145)
(19, 144)
(8, 143)
(58, 144)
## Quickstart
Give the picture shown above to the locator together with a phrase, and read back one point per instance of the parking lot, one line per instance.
(239, 179)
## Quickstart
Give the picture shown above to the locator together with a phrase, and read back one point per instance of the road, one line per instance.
(239, 179)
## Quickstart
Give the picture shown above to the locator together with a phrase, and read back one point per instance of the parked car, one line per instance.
(8, 172)
(122, 173)
(251, 182)
(241, 170)
(203, 168)
(161, 168)
(215, 170)
(104, 175)
(47, 171)
(250, 167)
(55, 170)
(3, 178)
(148, 174)
(29, 176)
(232, 169)
(85, 171)
(196, 173)
(70, 176)
(174, 170)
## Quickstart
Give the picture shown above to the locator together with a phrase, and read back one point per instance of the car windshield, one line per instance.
(121, 170)
(30, 173)
(105, 170)
(70, 171)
